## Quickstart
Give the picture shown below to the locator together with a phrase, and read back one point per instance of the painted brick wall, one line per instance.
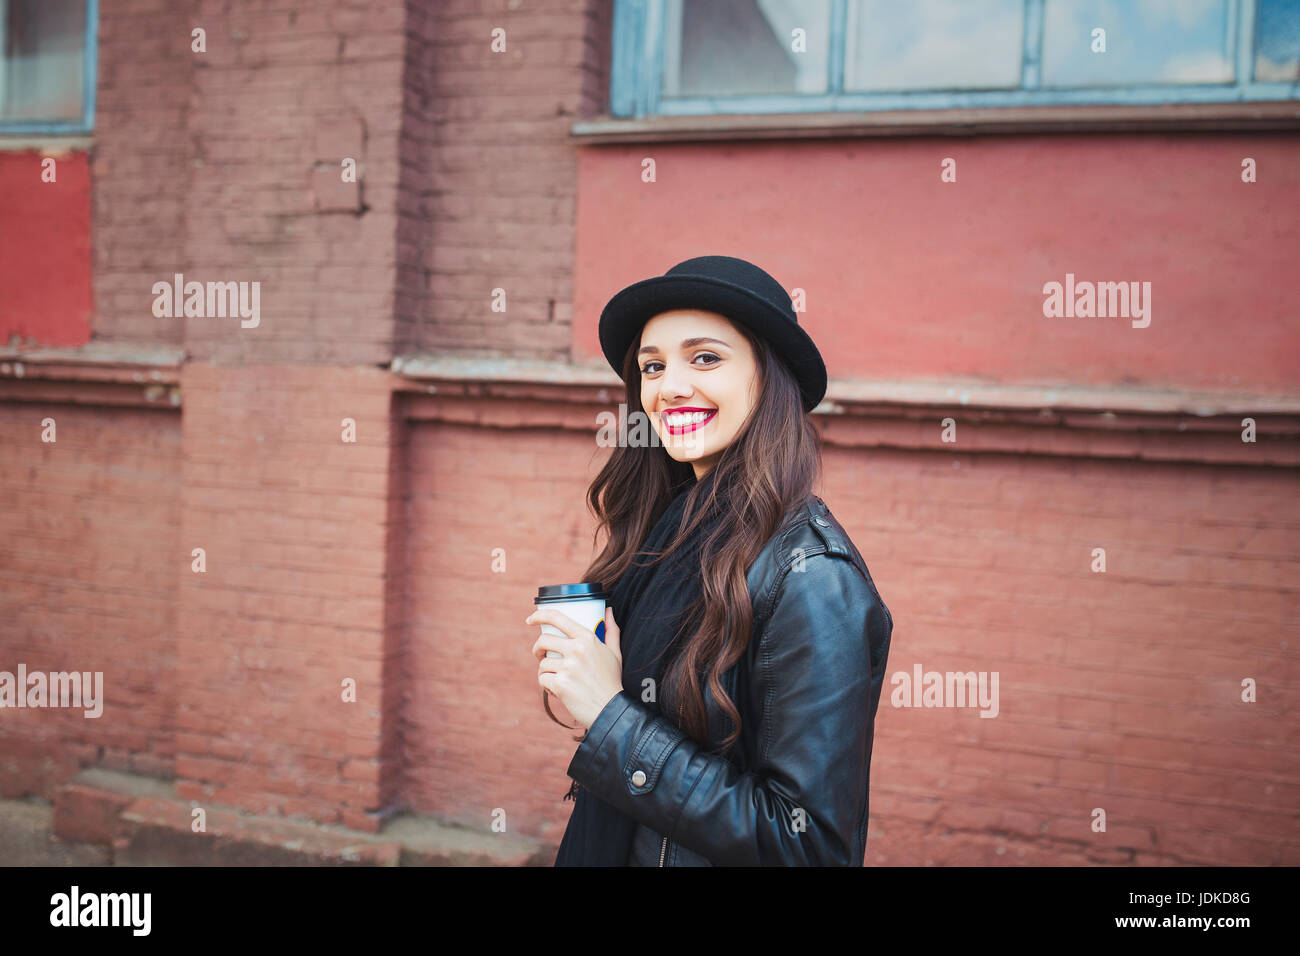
(414, 238)
(911, 278)
(225, 165)
(292, 519)
(374, 561)
(44, 247)
(284, 94)
(141, 163)
(1118, 690)
(88, 538)
(504, 187)
(479, 737)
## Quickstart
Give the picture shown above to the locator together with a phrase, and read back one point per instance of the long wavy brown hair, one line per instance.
(770, 466)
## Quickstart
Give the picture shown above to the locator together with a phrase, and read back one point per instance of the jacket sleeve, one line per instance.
(804, 799)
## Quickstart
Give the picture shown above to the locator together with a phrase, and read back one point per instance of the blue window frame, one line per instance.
(48, 66)
(700, 57)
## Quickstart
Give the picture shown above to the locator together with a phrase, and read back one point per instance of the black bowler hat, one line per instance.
(737, 289)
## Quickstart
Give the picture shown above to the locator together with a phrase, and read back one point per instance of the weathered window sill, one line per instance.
(1171, 117)
(47, 144)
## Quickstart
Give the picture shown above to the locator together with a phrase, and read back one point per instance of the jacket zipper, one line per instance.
(664, 849)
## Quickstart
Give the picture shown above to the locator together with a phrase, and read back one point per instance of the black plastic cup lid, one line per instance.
(571, 592)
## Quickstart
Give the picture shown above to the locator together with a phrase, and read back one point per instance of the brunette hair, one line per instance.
(770, 466)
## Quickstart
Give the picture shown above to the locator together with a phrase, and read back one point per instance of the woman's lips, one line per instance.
(683, 429)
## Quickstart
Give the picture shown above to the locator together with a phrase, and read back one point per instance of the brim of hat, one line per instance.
(631, 308)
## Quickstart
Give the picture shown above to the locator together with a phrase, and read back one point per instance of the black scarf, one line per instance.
(650, 606)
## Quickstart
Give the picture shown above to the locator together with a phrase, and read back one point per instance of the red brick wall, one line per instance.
(292, 519)
(142, 163)
(284, 95)
(478, 737)
(44, 247)
(907, 277)
(414, 239)
(224, 166)
(374, 561)
(1119, 690)
(504, 187)
(88, 548)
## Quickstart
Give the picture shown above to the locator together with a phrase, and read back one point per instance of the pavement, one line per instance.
(110, 818)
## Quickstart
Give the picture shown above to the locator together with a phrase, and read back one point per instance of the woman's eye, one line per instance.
(646, 370)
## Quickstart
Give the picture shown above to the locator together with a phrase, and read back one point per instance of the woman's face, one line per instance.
(718, 376)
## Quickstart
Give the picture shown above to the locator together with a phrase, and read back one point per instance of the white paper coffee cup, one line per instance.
(584, 602)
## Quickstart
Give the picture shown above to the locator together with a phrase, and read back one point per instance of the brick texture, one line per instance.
(373, 561)
(503, 184)
(291, 518)
(141, 164)
(1119, 690)
(87, 561)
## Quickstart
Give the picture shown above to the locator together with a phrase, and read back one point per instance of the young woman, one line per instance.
(730, 709)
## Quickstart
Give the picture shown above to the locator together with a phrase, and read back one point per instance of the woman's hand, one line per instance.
(590, 674)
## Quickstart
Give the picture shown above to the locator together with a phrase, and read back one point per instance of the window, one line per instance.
(691, 57)
(47, 65)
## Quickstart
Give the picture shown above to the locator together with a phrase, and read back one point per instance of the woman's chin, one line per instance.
(686, 455)
(682, 448)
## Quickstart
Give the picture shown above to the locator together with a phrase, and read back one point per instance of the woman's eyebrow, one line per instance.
(686, 344)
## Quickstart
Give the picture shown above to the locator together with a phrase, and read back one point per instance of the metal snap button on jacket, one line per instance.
(638, 778)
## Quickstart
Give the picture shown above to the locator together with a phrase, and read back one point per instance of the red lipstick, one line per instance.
(686, 409)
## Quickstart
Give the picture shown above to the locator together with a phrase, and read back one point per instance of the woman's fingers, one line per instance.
(561, 646)
(556, 619)
(570, 629)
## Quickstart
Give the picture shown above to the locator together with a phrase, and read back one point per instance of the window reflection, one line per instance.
(933, 45)
(1147, 42)
(738, 47)
(1277, 40)
(42, 52)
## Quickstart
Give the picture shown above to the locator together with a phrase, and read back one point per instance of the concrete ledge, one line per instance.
(88, 814)
(96, 353)
(460, 374)
(1153, 424)
(154, 832)
(86, 808)
(487, 391)
(97, 373)
(139, 821)
(488, 375)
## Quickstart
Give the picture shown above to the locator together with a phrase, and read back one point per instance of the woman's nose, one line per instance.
(674, 388)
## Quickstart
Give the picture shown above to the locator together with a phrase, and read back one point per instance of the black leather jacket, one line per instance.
(792, 791)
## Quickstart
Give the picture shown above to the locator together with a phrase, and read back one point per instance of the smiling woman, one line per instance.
(699, 392)
(750, 638)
